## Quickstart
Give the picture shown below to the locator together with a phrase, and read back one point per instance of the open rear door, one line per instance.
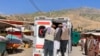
(40, 26)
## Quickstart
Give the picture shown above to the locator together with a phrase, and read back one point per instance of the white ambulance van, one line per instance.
(40, 24)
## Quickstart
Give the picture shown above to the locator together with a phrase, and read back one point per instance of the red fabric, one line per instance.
(18, 34)
(14, 22)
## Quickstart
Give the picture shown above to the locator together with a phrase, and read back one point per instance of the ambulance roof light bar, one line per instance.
(62, 18)
(41, 18)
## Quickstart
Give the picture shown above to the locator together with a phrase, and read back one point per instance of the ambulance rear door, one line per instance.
(40, 26)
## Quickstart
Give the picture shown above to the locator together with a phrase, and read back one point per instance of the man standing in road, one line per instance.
(49, 38)
(64, 39)
(57, 39)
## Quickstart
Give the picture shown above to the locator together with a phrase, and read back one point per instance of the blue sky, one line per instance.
(24, 6)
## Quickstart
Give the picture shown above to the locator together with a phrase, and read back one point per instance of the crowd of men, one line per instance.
(90, 45)
(56, 39)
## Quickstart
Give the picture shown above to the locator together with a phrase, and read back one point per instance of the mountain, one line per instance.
(84, 17)
(2, 16)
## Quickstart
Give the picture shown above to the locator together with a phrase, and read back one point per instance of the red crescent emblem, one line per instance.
(41, 31)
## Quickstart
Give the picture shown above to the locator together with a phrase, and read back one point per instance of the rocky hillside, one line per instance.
(84, 17)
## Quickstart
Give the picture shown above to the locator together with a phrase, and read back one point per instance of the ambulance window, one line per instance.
(41, 33)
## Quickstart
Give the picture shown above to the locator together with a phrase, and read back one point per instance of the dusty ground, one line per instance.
(28, 52)
(23, 52)
(76, 52)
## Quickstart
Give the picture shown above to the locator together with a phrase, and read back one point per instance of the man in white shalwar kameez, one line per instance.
(57, 40)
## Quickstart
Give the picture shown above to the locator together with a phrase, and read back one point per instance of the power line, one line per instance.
(34, 5)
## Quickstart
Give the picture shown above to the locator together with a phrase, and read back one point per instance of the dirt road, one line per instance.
(23, 52)
(28, 52)
(76, 52)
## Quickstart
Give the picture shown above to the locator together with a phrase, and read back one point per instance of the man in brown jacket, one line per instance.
(97, 47)
(91, 46)
(64, 39)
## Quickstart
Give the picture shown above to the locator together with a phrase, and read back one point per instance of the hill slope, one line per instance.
(87, 18)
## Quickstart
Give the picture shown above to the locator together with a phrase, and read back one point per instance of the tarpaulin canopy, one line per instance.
(12, 29)
(13, 39)
(26, 30)
(5, 25)
(9, 36)
(92, 33)
(2, 38)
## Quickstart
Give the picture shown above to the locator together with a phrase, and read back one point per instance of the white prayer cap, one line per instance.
(64, 24)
